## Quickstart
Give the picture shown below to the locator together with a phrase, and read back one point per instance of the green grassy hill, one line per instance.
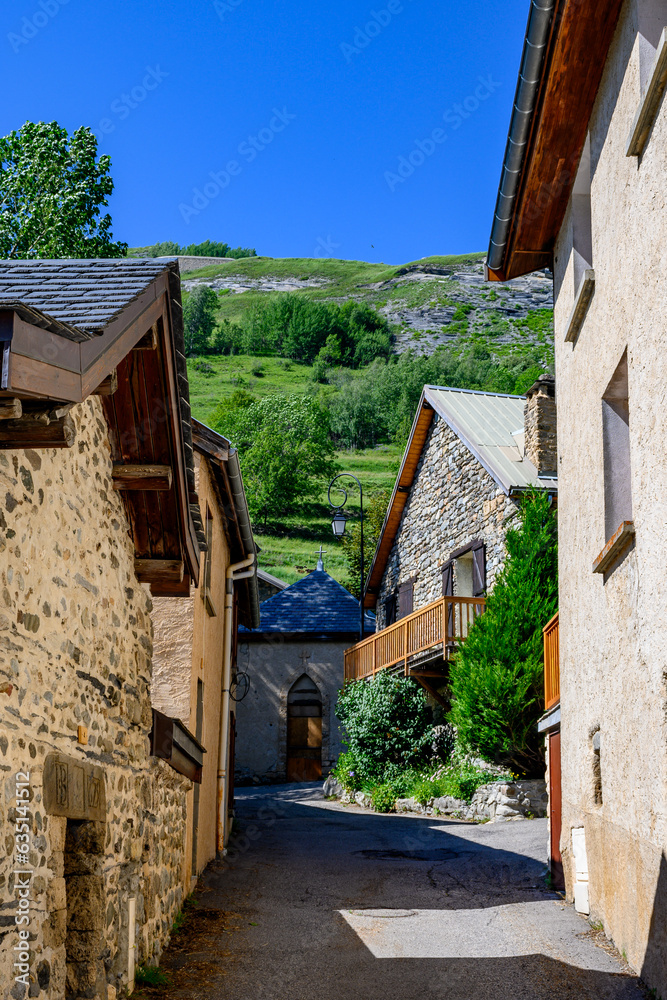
(431, 302)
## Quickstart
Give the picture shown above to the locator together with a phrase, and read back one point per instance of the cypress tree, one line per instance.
(497, 675)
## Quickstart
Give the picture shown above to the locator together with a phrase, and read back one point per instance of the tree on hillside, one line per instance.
(286, 450)
(199, 319)
(497, 674)
(52, 188)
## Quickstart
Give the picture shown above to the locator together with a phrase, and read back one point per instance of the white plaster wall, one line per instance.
(613, 630)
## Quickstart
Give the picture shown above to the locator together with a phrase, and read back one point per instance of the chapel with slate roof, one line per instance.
(287, 727)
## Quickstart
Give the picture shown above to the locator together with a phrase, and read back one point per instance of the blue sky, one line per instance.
(372, 131)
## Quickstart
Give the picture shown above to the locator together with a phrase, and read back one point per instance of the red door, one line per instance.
(555, 810)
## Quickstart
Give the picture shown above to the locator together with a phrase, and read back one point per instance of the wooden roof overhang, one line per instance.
(135, 365)
(232, 505)
(406, 476)
(578, 43)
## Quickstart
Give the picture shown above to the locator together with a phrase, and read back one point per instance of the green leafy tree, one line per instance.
(199, 319)
(375, 510)
(387, 724)
(497, 675)
(52, 188)
(287, 452)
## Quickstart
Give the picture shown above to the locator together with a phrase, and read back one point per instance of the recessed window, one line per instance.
(616, 445)
(582, 233)
(651, 19)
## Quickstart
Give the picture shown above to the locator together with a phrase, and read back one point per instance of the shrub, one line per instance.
(383, 798)
(257, 370)
(386, 721)
(347, 772)
(150, 975)
(496, 677)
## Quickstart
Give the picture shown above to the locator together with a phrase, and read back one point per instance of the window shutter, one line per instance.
(390, 611)
(479, 569)
(405, 599)
(448, 580)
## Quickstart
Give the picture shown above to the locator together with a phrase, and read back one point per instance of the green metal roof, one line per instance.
(491, 425)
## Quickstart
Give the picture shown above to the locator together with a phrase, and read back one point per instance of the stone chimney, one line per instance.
(539, 417)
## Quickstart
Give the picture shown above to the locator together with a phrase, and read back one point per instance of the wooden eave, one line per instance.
(399, 498)
(216, 449)
(147, 414)
(581, 35)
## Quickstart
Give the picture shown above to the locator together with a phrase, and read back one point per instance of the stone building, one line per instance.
(583, 190)
(98, 513)
(194, 647)
(287, 727)
(469, 458)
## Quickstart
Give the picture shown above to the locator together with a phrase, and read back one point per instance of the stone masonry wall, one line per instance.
(453, 501)
(75, 650)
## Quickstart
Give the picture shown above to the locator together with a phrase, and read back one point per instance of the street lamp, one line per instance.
(338, 523)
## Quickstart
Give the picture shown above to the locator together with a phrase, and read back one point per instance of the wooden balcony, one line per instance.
(435, 629)
(551, 664)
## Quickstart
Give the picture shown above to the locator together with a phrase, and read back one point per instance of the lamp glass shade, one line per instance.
(338, 524)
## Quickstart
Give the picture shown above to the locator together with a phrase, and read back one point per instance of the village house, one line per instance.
(194, 648)
(469, 459)
(99, 517)
(583, 190)
(287, 726)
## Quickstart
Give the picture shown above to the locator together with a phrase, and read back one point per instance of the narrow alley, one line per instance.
(321, 900)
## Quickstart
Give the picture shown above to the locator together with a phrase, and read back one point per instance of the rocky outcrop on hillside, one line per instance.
(428, 304)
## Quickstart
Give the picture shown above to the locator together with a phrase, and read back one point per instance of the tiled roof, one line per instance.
(317, 604)
(85, 294)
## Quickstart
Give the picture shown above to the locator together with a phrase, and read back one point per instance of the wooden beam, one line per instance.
(149, 340)
(107, 386)
(30, 433)
(182, 589)
(159, 570)
(142, 477)
(10, 409)
(432, 690)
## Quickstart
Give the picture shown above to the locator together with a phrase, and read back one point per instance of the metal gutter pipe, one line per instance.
(534, 49)
(235, 571)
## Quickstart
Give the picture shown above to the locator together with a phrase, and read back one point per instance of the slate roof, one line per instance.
(314, 605)
(82, 295)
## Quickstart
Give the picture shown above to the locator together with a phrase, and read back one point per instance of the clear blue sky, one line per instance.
(313, 115)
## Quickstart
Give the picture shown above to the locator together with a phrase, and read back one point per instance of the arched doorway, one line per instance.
(304, 731)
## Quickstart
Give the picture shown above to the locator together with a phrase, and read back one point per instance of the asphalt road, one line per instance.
(332, 902)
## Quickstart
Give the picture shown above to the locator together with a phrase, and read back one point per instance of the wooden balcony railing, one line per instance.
(443, 623)
(551, 664)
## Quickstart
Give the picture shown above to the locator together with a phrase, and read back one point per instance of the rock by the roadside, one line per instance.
(363, 800)
(447, 805)
(332, 787)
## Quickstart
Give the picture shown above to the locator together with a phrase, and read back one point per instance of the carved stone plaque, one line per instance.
(74, 788)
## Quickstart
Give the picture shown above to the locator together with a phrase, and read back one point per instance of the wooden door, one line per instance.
(555, 810)
(304, 731)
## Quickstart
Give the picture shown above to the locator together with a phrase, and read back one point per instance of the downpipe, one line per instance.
(236, 571)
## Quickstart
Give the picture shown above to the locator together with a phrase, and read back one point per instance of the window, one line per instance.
(208, 563)
(466, 570)
(405, 598)
(651, 19)
(582, 233)
(390, 611)
(616, 446)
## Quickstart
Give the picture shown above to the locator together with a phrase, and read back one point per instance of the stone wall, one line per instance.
(75, 651)
(273, 665)
(540, 426)
(613, 628)
(453, 501)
